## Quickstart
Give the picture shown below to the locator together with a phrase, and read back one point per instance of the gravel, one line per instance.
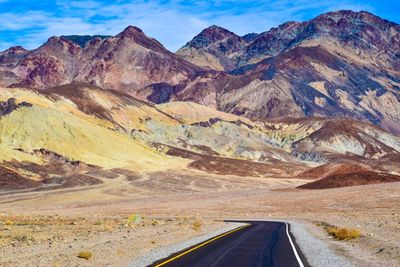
(315, 250)
(163, 252)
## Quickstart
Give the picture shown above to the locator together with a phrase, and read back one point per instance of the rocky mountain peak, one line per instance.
(357, 29)
(10, 57)
(82, 40)
(218, 47)
(215, 29)
(129, 31)
(351, 15)
(250, 37)
(211, 35)
(16, 50)
(136, 35)
(56, 44)
(360, 30)
(60, 40)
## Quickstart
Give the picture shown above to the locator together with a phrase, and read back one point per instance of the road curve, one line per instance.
(259, 243)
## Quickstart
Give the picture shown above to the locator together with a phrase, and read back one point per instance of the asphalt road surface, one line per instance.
(260, 243)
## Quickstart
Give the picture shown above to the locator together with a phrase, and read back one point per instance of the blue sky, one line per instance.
(173, 23)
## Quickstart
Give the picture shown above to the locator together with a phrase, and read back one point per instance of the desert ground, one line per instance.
(50, 228)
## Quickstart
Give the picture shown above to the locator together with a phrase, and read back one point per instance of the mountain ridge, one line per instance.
(338, 64)
(286, 31)
(341, 63)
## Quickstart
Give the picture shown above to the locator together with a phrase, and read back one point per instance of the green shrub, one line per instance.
(134, 219)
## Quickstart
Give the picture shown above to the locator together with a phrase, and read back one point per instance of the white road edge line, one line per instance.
(293, 247)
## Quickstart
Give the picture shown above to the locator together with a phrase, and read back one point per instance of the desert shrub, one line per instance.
(155, 222)
(85, 255)
(343, 233)
(8, 223)
(134, 219)
(197, 225)
(23, 238)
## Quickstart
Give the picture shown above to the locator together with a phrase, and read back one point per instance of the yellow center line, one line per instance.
(201, 245)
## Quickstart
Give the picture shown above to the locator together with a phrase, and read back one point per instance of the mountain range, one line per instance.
(342, 64)
(299, 100)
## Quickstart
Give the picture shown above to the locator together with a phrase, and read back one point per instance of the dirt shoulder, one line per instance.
(57, 240)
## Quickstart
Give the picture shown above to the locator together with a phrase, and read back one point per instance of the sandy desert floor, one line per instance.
(49, 228)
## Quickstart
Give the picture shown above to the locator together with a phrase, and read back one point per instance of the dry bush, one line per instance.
(9, 223)
(85, 255)
(23, 238)
(343, 233)
(197, 225)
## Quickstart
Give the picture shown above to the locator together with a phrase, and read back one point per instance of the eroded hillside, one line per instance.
(83, 128)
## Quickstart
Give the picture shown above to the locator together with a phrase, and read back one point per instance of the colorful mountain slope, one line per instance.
(59, 135)
(342, 64)
(58, 126)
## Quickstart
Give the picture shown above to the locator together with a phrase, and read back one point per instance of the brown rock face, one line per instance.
(51, 64)
(131, 61)
(128, 61)
(360, 30)
(215, 48)
(339, 64)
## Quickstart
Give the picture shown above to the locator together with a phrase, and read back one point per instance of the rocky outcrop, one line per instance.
(82, 40)
(215, 48)
(6, 107)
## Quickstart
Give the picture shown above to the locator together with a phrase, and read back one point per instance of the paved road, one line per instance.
(257, 244)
